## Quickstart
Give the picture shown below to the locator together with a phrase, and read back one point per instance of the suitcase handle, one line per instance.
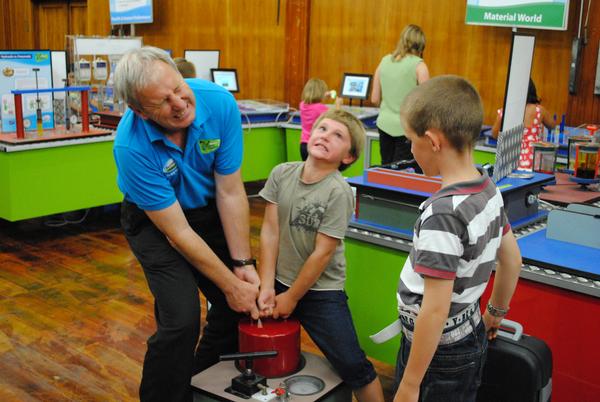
(509, 324)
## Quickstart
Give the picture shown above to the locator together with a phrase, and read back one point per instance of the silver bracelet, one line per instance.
(496, 311)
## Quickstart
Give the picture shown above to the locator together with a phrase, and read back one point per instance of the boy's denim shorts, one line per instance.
(326, 318)
(454, 373)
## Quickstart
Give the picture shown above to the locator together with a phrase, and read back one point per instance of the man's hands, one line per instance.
(247, 273)
(242, 295)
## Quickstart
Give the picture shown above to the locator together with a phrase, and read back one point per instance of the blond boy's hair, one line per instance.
(448, 103)
(185, 68)
(412, 41)
(355, 129)
(314, 91)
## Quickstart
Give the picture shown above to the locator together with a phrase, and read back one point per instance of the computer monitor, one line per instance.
(356, 86)
(203, 61)
(225, 77)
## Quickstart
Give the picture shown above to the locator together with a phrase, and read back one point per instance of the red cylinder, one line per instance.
(280, 335)
(19, 116)
(85, 113)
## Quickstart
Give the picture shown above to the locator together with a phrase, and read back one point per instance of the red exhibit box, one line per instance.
(411, 181)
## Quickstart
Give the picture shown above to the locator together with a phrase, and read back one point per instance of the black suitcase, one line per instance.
(518, 368)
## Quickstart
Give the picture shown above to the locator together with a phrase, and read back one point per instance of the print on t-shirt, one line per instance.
(309, 217)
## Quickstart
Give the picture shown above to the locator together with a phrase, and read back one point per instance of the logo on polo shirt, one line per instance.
(170, 168)
(208, 146)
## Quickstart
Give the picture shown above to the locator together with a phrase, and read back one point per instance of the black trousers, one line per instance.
(304, 151)
(393, 149)
(172, 356)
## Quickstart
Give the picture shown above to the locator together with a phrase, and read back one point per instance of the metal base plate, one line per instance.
(211, 383)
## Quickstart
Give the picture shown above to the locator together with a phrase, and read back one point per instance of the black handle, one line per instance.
(248, 355)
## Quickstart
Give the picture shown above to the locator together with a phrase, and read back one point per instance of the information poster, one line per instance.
(539, 14)
(130, 11)
(17, 72)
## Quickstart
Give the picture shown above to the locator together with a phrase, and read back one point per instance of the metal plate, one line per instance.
(304, 385)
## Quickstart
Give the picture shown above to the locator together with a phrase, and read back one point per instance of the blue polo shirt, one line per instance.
(153, 172)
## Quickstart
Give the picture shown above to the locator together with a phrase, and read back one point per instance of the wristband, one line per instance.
(244, 262)
(496, 311)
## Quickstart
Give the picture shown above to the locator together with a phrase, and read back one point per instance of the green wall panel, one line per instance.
(371, 281)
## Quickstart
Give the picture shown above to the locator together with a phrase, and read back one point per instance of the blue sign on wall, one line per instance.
(130, 11)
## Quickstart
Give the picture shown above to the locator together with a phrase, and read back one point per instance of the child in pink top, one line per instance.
(311, 108)
(536, 116)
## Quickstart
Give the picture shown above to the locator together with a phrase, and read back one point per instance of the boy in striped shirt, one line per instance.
(461, 232)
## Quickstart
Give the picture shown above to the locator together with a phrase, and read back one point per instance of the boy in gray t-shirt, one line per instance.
(302, 266)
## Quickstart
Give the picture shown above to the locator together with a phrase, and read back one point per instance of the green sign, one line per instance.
(539, 14)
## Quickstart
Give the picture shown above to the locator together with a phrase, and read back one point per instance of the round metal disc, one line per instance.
(304, 385)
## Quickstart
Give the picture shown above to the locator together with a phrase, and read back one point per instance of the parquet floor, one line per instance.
(75, 311)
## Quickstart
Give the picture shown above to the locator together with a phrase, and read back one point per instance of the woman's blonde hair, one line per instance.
(412, 41)
(314, 91)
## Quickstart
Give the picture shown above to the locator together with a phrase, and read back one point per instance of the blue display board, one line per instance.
(17, 72)
(130, 11)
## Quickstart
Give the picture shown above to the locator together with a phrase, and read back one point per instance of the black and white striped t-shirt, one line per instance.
(457, 237)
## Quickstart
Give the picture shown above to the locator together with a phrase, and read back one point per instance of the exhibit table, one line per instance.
(41, 179)
(557, 299)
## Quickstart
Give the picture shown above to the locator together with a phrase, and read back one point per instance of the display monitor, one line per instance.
(203, 61)
(356, 86)
(225, 77)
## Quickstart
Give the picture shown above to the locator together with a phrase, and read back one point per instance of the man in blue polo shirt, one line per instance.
(178, 151)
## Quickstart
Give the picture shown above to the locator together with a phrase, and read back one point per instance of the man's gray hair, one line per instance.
(134, 71)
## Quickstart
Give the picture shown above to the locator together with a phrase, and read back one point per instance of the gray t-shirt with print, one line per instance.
(303, 211)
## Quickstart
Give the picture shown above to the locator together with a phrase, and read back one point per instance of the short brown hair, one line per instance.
(314, 91)
(355, 129)
(448, 103)
(185, 68)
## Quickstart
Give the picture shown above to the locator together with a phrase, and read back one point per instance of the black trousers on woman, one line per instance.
(393, 149)
(173, 354)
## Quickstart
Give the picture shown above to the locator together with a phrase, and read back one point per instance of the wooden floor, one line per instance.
(75, 310)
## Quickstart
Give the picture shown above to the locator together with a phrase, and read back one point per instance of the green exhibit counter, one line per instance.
(264, 148)
(44, 179)
(484, 154)
(371, 281)
(51, 177)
